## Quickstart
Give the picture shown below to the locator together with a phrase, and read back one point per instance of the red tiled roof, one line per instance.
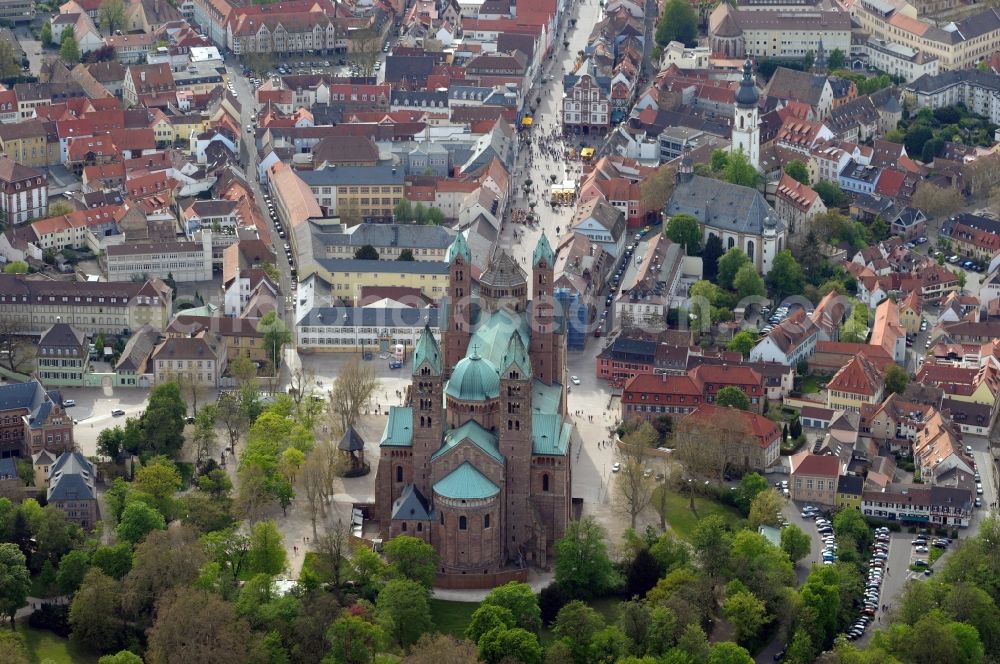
(817, 464)
(763, 428)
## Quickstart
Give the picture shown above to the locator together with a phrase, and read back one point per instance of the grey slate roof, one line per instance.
(390, 235)
(8, 469)
(949, 78)
(799, 85)
(370, 317)
(422, 98)
(62, 335)
(71, 478)
(348, 175)
(722, 206)
(352, 441)
(19, 395)
(410, 505)
(503, 271)
(388, 267)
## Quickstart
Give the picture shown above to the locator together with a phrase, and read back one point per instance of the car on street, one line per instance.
(117, 412)
(616, 467)
(68, 403)
(574, 380)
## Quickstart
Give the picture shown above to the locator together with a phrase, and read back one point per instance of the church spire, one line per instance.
(543, 252)
(459, 248)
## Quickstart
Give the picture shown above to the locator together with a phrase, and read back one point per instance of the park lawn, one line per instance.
(683, 521)
(43, 645)
(452, 617)
(934, 554)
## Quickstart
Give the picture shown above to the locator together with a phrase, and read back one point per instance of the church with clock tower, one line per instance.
(477, 463)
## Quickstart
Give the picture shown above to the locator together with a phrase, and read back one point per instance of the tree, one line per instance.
(276, 335)
(46, 34)
(748, 283)
(17, 349)
(766, 508)
(266, 552)
(796, 170)
(937, 202)
(403, 611)
(795, 542)
(193, 625)
(516, 645)
(406, 255)
(487, 617)
(207, 512)
(732, 396)
(160, 479)
(576, 624)
(115, 560)
(69, 50)
(366, 253)
(727, 652)
(740, 171)
(111, 15)
(242, 369)
(413, 559)
(896, 379)
(747, 614)
(785, 277)
(438, 648)
(683, 229)
(729, 266)
(583, 568)
(352, 390)
(94, 614)
(364, 49)
(719, 160)
(830, 194)
(748, 488)
(72, 568)
(138, 520)
(435, 217)
(14, 581)
(16, 267)
(230, 413)
(163, 422)
(710, 256)
(655, 190)
(353, 639)
(679, 22)
(836, 59)
(634, 484)
(520, 600)
(403, 211)
(742, 342)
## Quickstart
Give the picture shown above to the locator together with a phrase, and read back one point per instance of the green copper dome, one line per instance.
(459, 248)
(474, 379)
(543, 250)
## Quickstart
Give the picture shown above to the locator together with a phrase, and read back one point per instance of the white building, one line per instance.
(186, 261)
(978, 90)
(898, 60)
(746, 125)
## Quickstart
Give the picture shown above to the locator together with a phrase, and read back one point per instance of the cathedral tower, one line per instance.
(544, 355)
(515, 445)
(457, 328)
(427, 402)
(746, 124)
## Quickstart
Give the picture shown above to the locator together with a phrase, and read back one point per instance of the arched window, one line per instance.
(404, 527)
(399, 473)
(420, 527)
(750, 249)
(486, 521)
(545, 482)
(730, 243)
(741, 122)
(463, 523)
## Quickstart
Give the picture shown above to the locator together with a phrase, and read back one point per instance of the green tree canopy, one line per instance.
(740, 171)
(412, 558)
(403, 611)
(785, 277)
(14, 580)
(795, 542)
(16, 267)
(742, 342)
(830, 194)
(683, 229)
(748, 283)
(729, 266)
(679, 22)
(138, 520)
(732, 396)
(896, 379)
(796, 170)
(516, 644)
(366, 253)
(520, 600)
(583, 567)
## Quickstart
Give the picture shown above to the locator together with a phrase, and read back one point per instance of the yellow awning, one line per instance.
(527, 121)
(587, 153)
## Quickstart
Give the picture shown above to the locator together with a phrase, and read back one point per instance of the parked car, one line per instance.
(117, 412)
(68, 403)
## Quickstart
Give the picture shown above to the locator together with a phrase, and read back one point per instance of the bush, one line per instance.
(551, 598)
(52, 617)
